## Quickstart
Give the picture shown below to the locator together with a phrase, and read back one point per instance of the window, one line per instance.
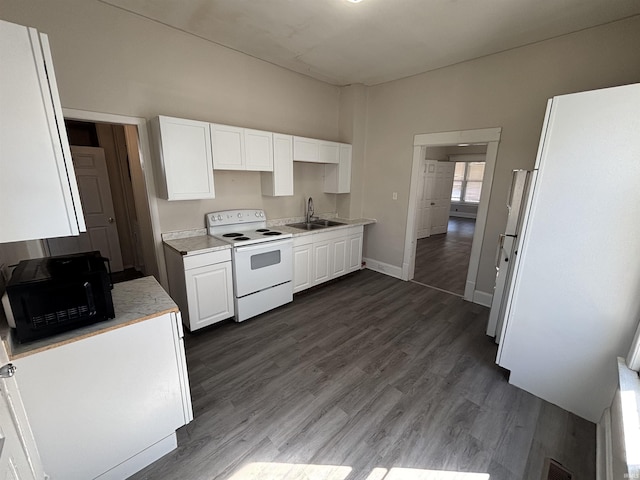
(467, 182)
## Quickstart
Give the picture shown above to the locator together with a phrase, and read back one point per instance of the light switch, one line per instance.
(395, 195)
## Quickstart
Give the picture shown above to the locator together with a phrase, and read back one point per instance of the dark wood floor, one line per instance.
(368, 372)
(442, 261)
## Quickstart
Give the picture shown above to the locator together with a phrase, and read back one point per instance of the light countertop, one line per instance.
(133, 301)
(197, 241)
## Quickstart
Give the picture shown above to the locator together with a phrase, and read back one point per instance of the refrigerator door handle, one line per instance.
(499, 252)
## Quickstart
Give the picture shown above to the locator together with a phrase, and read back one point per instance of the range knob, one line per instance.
(239, 215)
(262, 214)
(219, 217)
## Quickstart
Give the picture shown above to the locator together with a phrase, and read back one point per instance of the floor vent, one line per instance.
(555, 471)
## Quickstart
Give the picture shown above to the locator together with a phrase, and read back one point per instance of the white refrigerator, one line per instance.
(573, 300)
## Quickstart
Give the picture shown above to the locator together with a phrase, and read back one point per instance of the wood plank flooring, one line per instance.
(365, 373)
(442, 261)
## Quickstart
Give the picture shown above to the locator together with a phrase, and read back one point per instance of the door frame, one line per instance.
(153, 257)
(488, 136)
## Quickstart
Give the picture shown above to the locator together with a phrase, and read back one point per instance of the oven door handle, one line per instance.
(263, 245)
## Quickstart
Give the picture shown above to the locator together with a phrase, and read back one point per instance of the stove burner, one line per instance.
(262, 230)
(272, 233)
(232, 235)
(240, 238)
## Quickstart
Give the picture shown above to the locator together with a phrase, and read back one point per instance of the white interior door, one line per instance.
(427, 189)
(102, 233)
(19, 457)
(441, 198)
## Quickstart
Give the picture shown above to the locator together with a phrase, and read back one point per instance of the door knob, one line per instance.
(7, 371)
(110, 219)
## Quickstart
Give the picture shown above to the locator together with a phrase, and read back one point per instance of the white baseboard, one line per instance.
(382, 267)
(482, 298)
(463, 215)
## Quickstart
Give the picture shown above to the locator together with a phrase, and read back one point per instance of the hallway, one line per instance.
(442, 260)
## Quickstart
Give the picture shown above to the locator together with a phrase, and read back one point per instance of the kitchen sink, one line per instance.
(315, 225)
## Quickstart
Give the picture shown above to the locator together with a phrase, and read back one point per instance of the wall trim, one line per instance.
(482, 298)
(382, 267)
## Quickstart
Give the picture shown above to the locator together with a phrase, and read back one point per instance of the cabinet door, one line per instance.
(185, 150)
(321, 261)
(302, 267)
(280, 182)
(337, 177)
(258, 150)
(37, 180)
(354, 252)
(339, 257)
(228, 147)
(329, 152)
(209, 294)
(306, 149)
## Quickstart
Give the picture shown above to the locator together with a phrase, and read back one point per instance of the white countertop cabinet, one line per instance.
(201, 285)
(107, 405)
(34, 149)
(320, 257)
(184, 148)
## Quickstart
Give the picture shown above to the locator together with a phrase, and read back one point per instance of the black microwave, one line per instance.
(55, 294)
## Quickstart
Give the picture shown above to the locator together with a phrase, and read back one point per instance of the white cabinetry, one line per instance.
(201, 285)
(302, 266)
(228, 147)
(258, 150)
(236, 148)
(37, 180)
(280, 182)
(315, 151)
(109, 404)
(319, 257)
(184, 147)
(337, 177)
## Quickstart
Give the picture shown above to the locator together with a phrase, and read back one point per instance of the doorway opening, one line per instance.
(115, 148)
(449, 191)
(451, 204)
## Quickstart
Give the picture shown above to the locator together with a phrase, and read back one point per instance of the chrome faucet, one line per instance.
(310, 210)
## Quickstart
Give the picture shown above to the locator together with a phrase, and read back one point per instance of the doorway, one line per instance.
(137, 170)
(449, 192)
(490, 138)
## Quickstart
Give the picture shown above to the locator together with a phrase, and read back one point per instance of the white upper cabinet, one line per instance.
(187, 163)
(315, 151)
(228, 147)
(306, 149)
(337, 177)
(280, 182)
(236, 148)
(329, 152)
(38, 191)
(258, 150)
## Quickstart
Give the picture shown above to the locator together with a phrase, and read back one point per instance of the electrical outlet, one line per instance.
(395, 195)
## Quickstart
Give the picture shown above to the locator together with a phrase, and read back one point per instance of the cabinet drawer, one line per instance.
(209, 258)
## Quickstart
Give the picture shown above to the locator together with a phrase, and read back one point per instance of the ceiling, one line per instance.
(376, 41)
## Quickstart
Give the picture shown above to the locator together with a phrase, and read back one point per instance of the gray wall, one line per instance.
(507, 90)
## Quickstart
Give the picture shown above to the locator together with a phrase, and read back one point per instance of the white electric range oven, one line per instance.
(262, 260)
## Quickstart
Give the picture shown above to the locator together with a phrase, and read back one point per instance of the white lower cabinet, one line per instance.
(201, 285)
(108, 405)
(319, 257)
(302, 266)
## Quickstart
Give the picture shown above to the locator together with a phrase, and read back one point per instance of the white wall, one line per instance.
(507, 90)
(111, 61)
